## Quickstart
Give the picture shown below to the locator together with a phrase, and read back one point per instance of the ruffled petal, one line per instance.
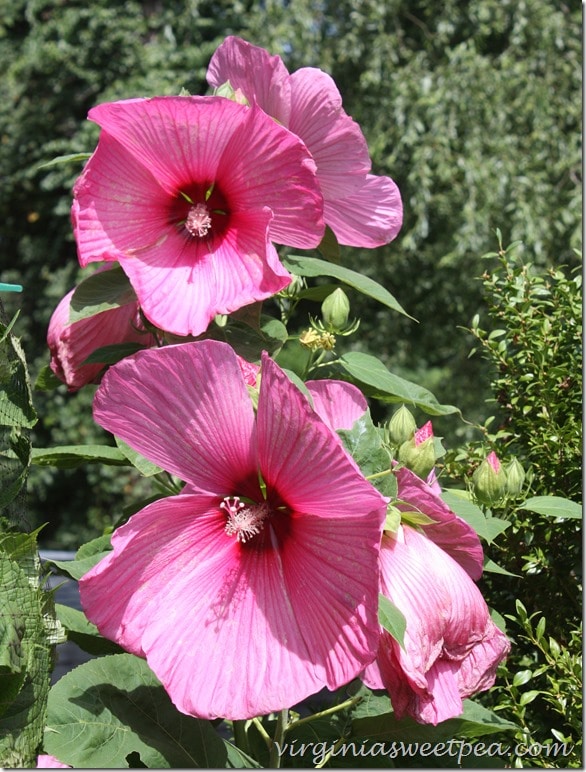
(337, 403)
(333, 138)
(370, 216)
(262, 78)
(449, 532)
(187, 409)
(301, 459)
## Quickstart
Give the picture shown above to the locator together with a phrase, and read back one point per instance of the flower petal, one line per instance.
(185, 408)
(337, 403)
(333, 138)
(263, 79)
(370, 216)
(301, 459)
(449, 532)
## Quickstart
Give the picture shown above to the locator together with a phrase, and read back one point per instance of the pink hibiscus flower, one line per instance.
(451, 647)
(187, 194)
(258, 584)
(71, 344)
(362, 209)
(45, 761)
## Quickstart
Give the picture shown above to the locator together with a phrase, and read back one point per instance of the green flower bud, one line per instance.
(420, 459)
(336, 309)
(515, 477)
(402, 426)
(490, 480)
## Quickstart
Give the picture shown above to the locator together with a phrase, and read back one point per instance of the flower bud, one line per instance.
(336, 309)
(490, 480)
(402, 426)
(419, 458)
(515, 477)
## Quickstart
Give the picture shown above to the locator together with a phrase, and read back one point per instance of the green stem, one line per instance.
(376, 475)
(328, 712)
(240, 735)
(263, 732)
(281, 728)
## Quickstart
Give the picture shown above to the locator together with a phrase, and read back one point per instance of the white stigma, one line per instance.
(198, 221)
(244, 521)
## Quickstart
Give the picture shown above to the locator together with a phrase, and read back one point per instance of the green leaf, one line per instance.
(365, 444)
(101, 291)
(392, 619)
(82, 632)
(248, 342)
(47, 380)
(69, 456)
(553, 506)
(86, 557)
(312, 266)
(488, 528)
(144, 466)
(111, 707)
(528, 697)
(494, 568)
(64, 159)
(475, 721)
(109, 355)
(367, 370)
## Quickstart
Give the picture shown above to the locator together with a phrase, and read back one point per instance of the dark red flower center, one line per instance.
(200, 211)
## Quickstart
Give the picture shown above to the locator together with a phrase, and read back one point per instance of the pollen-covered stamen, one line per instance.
(244, 520)
(198, 221)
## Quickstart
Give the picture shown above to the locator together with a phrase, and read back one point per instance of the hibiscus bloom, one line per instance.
(451, 645)
(362, 209)
(71, 343)
(187, 194)
(258, 584)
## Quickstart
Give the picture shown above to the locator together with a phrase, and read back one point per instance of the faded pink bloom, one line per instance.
(71, 344)
(50, 762)
(452, 647)
(187, 194)
(258, 584)
(362, 209)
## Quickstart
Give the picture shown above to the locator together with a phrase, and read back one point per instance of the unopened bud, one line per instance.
(402, 426)
(490, 480)
(335, 309)
(419, 458)
(515, 477)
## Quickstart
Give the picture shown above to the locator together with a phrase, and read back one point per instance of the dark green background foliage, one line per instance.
(472, 107)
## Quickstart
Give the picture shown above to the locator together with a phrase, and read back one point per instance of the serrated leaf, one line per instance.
(392, 619)
(111, 707)
(100, 292)
(369, 371)
(553, 506)
(312, 266)
(47, 380)
(70, 456)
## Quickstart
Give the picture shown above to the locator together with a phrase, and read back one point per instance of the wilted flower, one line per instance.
(362, 209)
(258, 584)
(451, 647)
(71, 343)
(187, 194)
